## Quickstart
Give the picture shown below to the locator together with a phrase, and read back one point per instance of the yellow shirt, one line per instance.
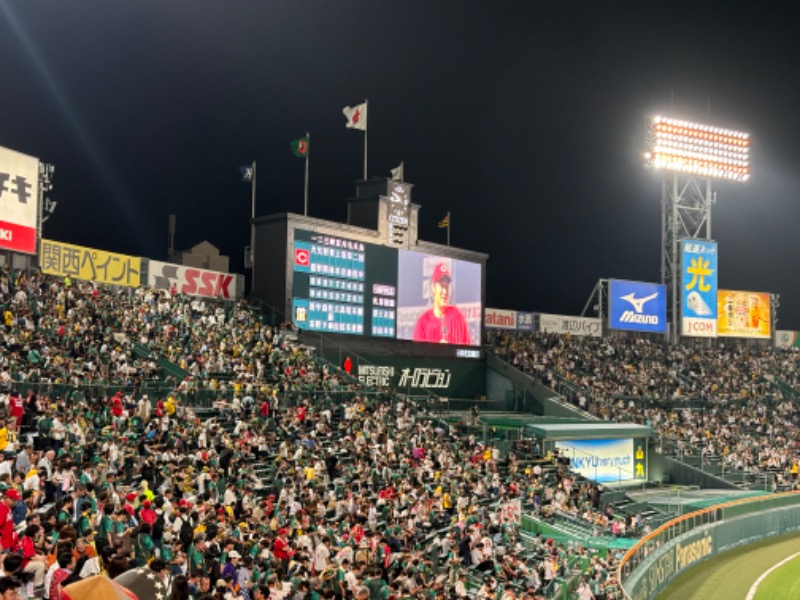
(3, 438)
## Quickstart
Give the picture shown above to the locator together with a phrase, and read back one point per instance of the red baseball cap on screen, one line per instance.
(441, 271)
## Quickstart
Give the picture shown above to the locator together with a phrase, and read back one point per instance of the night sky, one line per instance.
(524, 119)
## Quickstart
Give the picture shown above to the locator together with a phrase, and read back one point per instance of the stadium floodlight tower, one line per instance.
(690, 155)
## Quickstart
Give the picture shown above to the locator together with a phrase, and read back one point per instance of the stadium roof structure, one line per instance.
(587, 431)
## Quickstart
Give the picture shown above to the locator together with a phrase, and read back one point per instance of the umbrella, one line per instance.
(98, 587)
(144, 582)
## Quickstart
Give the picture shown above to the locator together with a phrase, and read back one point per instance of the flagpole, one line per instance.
(305, 196)
(366, 104)
(253, 232)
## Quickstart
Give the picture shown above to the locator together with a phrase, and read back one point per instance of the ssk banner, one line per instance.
(193, 281)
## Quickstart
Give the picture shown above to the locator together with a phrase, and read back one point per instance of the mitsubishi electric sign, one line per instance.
(637, 306)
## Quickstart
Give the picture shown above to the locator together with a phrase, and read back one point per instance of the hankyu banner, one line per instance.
(787, 339)
(637, 306)
(699, 288)
(496, 318)
(606, 460)
(19, 201)
(565, 324)
(744, 314)
(193, 281)
(524, 321)
(58, 258)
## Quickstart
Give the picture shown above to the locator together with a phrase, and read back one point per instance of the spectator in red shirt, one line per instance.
(147, 514)
(32, 562)
(8, 537)
(282, 551)
(15, 402)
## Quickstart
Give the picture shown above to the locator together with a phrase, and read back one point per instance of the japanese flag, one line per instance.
(356, 116)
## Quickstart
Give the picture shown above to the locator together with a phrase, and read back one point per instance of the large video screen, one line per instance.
(351, 287)
(439, 299)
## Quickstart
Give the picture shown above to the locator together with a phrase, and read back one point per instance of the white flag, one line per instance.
(397, 173)
(356, 116)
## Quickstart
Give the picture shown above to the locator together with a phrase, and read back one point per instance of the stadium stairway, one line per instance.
(167, 367)
(786, 389)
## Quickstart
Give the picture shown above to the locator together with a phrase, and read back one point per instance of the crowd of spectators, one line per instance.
(303, 485)
(729, 401)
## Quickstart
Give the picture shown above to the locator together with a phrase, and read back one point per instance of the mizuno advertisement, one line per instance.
(699, 288)
(637, 306)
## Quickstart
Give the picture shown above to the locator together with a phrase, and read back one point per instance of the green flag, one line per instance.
(300, 147)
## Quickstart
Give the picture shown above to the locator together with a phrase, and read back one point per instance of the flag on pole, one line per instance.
(444, 223)
(300, 147)
(356, 116)
(397, 173)
(247, 173)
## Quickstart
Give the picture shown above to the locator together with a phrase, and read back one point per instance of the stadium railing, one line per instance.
(637, 556)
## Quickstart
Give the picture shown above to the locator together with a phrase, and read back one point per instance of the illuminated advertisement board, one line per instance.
(568, 325)
(637, 306)
(606, 460)
(496, 318)
(58, 258)
(19, 201)
(193, 281)
(699, 261)
(525, 321)
(743, 314)
(351, 287)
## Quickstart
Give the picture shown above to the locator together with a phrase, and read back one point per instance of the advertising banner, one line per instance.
(524, 321)
(565, 324)
(496, 318)
(608, 460)
(193, 281)
(637, 306)
(510, 512)
(743, 314)
(58, 258)
(19, 201)
(447, 378)
(787, 339)
(699, 261)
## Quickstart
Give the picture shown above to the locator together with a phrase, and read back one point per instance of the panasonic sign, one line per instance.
(637, 306)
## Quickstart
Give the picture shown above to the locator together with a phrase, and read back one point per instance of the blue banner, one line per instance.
(524, 321)
(699, 288)
(637, 306)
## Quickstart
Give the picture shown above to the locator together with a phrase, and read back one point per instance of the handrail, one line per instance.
(651, 537)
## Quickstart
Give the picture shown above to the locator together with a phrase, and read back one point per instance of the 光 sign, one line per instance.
(637, 306)
(699, 288)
